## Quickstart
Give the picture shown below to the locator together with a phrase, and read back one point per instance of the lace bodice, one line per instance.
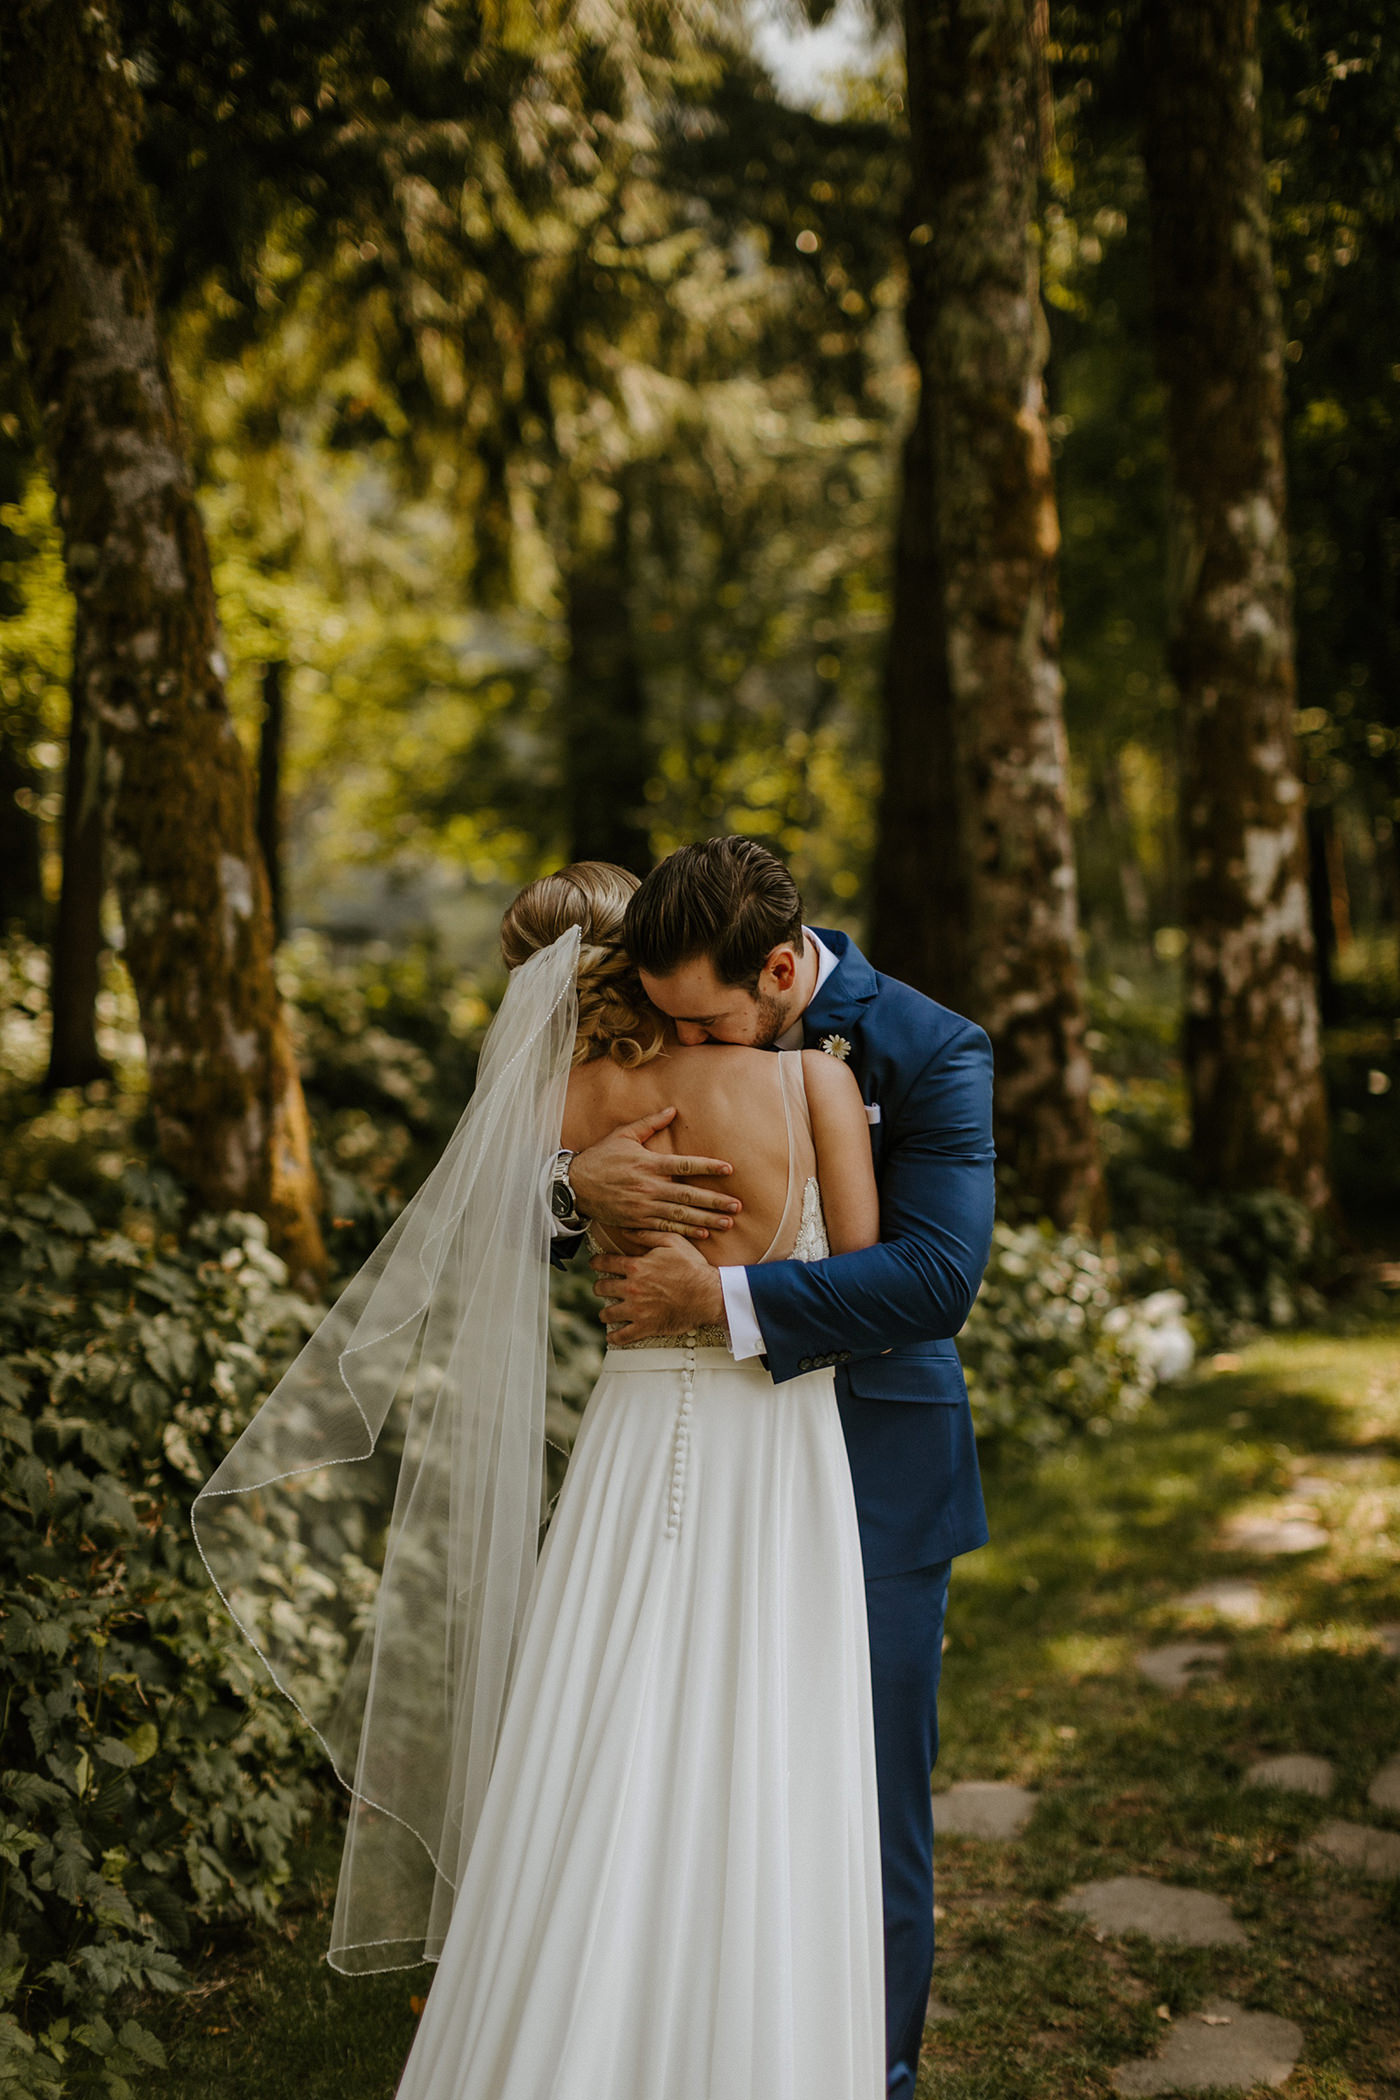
(801, 1233)
(812, 1243)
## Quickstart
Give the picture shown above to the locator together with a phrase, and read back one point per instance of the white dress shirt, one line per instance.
(745, 1334)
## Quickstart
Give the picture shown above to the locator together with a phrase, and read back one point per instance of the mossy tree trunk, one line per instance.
(975, 894)
(182, 847)
(272, 738)
(1251, 1036)
(76, 954)
(607, 753)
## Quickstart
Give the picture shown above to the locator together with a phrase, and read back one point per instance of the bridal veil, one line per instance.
(437, 1350)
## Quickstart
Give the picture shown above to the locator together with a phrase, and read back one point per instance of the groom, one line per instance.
(716, 931)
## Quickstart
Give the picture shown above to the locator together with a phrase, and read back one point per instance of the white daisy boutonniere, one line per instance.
(836, 1046)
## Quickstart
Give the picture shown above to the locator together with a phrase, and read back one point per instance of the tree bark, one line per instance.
(148, 664)
(21, 863)
(74, 1057)
(1251, 1036)
(1324, 930)
(607, 756)
(271, 739)
(974, 893)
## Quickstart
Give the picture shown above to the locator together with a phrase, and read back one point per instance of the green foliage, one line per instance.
(1260, 1258)
(387, 1044)
(1055, 1342)
(149, 1776)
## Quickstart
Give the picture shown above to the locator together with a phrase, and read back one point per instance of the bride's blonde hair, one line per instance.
(614, 1017)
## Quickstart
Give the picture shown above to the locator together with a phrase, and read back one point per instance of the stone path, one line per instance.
(1171, 1916)
(1178, 1664)
(1375, 1853)
(983, 1808)
(1299, 1774)
(1293, 1530)
(1222, 2045)
(1241, 1602)
(1384, 1790)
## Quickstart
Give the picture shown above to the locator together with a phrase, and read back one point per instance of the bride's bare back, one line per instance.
(729, 1106)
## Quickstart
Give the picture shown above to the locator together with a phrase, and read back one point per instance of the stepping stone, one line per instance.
(1384, 1790)
(937, 2010)
(1358, 1846)
(1296, 1774)
(1222, 2045)
(983, 1808)
(1179, 1917)
(1242, 1602)
(1389, 1637)
(1272, 1535)
(1181, 1663)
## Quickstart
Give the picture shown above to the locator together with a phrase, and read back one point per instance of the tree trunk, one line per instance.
(74, 1057)
(975, 895)
(1132, 884)
(271, 739)
(1251, 1036)
(607, 756)
(21, 864)
(180, 831)
(1320, 912)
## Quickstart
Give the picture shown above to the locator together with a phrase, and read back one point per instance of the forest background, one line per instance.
(438, 442)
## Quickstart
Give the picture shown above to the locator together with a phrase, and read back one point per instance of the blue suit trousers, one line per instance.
(905, 1614)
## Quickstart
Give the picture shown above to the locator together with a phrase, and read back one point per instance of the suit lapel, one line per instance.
(848, 990)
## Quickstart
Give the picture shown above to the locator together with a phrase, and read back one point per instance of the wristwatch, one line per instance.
(562, 1201)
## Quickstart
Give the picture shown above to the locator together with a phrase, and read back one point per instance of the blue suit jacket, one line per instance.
(886, 1317)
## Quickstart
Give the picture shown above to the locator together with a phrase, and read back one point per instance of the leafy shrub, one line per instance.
(387, 1043)
(1055, 1342)
(149, 1775)
(1256, 1260)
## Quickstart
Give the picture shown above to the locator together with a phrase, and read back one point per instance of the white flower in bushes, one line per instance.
(1053, 1345)
(1155, 1331)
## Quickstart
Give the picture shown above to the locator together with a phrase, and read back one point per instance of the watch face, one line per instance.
(561, 1199)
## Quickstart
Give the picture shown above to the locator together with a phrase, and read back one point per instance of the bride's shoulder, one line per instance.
(831, 1084)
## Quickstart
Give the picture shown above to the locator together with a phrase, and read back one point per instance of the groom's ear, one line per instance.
(781, 967)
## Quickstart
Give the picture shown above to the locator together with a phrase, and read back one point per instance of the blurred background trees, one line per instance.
(437, 440)
(599, 444)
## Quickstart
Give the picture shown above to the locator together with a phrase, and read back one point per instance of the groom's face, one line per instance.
(706, 1011)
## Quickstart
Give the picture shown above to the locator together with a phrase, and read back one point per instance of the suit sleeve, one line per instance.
(936, 1202)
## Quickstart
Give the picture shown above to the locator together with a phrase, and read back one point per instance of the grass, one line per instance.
(1091, 1556)
(1092, 1550)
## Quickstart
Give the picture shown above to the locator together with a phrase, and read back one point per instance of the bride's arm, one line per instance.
(845, 1168)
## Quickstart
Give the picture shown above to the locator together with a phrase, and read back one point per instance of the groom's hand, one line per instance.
(619, 1184)
(668, 1291)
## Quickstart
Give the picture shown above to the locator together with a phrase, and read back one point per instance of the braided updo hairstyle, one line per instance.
(614, 1017)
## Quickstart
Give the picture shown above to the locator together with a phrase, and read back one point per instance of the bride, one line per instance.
(623, 1795)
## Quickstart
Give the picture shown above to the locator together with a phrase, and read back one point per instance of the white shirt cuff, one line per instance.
(745, 1334)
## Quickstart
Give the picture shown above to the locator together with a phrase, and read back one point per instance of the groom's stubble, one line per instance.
(703, 1009)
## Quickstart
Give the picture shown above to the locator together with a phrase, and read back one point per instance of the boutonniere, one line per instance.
(836, 1046)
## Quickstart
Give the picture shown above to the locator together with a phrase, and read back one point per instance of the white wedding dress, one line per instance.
(674, 1888)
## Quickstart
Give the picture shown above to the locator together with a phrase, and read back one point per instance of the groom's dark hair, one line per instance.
(730, 900)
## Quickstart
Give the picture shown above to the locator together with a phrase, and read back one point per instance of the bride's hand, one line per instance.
(668, 1291)
(622, 1186)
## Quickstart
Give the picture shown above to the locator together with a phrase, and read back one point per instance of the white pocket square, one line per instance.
(872, 1111)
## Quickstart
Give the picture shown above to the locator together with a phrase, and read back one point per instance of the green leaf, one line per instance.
(143, 1742)
(113, 1752)
(142, 2044)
